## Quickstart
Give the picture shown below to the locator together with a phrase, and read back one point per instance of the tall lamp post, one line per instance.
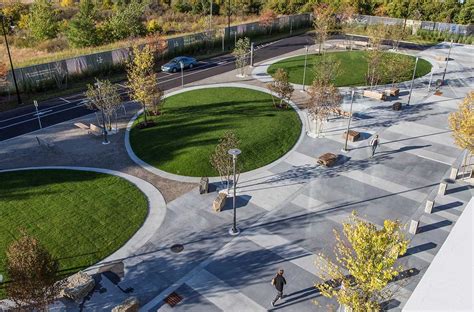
(345, 149)
(2, 17)
(305, 62)
(181, 64)
(412, 81)
(234, 152)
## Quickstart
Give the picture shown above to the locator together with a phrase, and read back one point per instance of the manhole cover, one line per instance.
(177, 248)
(173, 299)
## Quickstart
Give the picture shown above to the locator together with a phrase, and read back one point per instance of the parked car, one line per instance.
(174, 65)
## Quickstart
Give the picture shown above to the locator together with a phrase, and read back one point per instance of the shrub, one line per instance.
(126, 21)
(82, 31)
(53, 45)
(42, 21)
(66, 3)
(153, 26)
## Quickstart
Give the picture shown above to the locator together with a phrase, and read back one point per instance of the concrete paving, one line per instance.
(287, 212)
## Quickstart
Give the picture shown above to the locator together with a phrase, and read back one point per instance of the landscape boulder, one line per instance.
(78, 286)
(219, 202)
(204, 185)
(129, 305)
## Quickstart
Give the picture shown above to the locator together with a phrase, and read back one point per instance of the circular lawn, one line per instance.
(352, 68)
(80, 217)
(192, 122)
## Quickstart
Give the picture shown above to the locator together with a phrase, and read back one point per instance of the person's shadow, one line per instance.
(296, 296)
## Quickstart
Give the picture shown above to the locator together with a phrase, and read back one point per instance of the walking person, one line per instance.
(374, 143)
(278, 281)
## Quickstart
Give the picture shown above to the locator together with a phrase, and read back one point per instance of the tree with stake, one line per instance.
(143, 81)
(33, 273)
(324, 21)
(365, 264)
(323, 100)
(266, 19)
(105, 97)
(221, 161)
(241, 54)
(282, 87)
(375, 55)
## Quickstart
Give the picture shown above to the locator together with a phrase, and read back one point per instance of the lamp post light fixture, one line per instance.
(2, 18)
(181, 64)
(412, 80)
(305, 62)
(345, 149)
(234, 152)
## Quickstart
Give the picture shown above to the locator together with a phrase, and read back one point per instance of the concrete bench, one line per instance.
(443, 186)
(352, 136)
(219, 202)
(413, 227)
(95, 130)
(327, 160)
(441, 58)
(82, 126)
(375, 95)
(204, 185)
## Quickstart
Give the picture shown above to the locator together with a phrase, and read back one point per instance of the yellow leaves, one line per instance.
(365, 258)
(462, 123)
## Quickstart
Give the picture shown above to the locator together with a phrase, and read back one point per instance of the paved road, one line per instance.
(24, 120)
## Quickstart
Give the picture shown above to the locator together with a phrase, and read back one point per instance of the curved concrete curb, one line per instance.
(260, 72)
(188, 179)
(156, 212)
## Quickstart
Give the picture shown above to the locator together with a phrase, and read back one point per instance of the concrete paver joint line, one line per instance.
(155, 216)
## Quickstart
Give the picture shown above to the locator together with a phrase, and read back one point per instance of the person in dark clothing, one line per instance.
(374, 143)
(278, 281)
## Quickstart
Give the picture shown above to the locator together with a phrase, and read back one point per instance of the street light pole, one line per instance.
(234, 152)
(305, 62)
(349, 122)
(447, 61)
(37, 114)
(181, 64)
(412, 81)
(2, 17)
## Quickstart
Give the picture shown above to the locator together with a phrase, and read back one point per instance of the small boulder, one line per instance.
(397, 106)
(78, 286)
(129, 305)
(219, 202)
(204, 185)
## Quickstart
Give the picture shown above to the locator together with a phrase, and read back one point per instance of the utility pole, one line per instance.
(2, 17)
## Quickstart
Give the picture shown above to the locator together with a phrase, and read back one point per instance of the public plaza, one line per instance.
(173, 252)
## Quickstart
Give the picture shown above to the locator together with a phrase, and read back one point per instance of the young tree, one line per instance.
(375, 70)
(326, 70)
(33, 273)
(266, 19)
(42, 21)
(324, 99)
(462, 123)
(396, 67)
(105, 97)
(158, 45)
(396, 33)
(241, 54)
(324, 22)
(221, 161)
(143, 81)
(82, 31)
(364, 264)
(3, 72)
(282, 87)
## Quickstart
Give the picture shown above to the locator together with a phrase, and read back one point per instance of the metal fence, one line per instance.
(57, 74)
(415, 25)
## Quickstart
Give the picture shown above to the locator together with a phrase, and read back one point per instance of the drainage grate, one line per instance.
(173, 299)
(177, 248)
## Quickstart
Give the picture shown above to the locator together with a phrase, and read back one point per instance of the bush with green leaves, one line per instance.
(126, 21)
(43, 20)
(82, 31)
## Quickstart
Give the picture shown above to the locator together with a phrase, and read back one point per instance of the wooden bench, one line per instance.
(392, 92)
(352, 136)
(219, 202)
(82, 126)
(95, 130)
(327, 159)
(375, 95)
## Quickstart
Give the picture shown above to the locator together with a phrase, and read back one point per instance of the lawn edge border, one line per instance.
(153, 220)
(189, 179)
(260, 71)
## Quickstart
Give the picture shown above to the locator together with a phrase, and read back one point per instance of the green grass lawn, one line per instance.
(352, 69)
(192, 123)
(81, 217)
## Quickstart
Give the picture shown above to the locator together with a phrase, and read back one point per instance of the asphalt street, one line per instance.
(25, 119)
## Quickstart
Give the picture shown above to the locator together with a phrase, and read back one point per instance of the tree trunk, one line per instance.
(144, 115)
